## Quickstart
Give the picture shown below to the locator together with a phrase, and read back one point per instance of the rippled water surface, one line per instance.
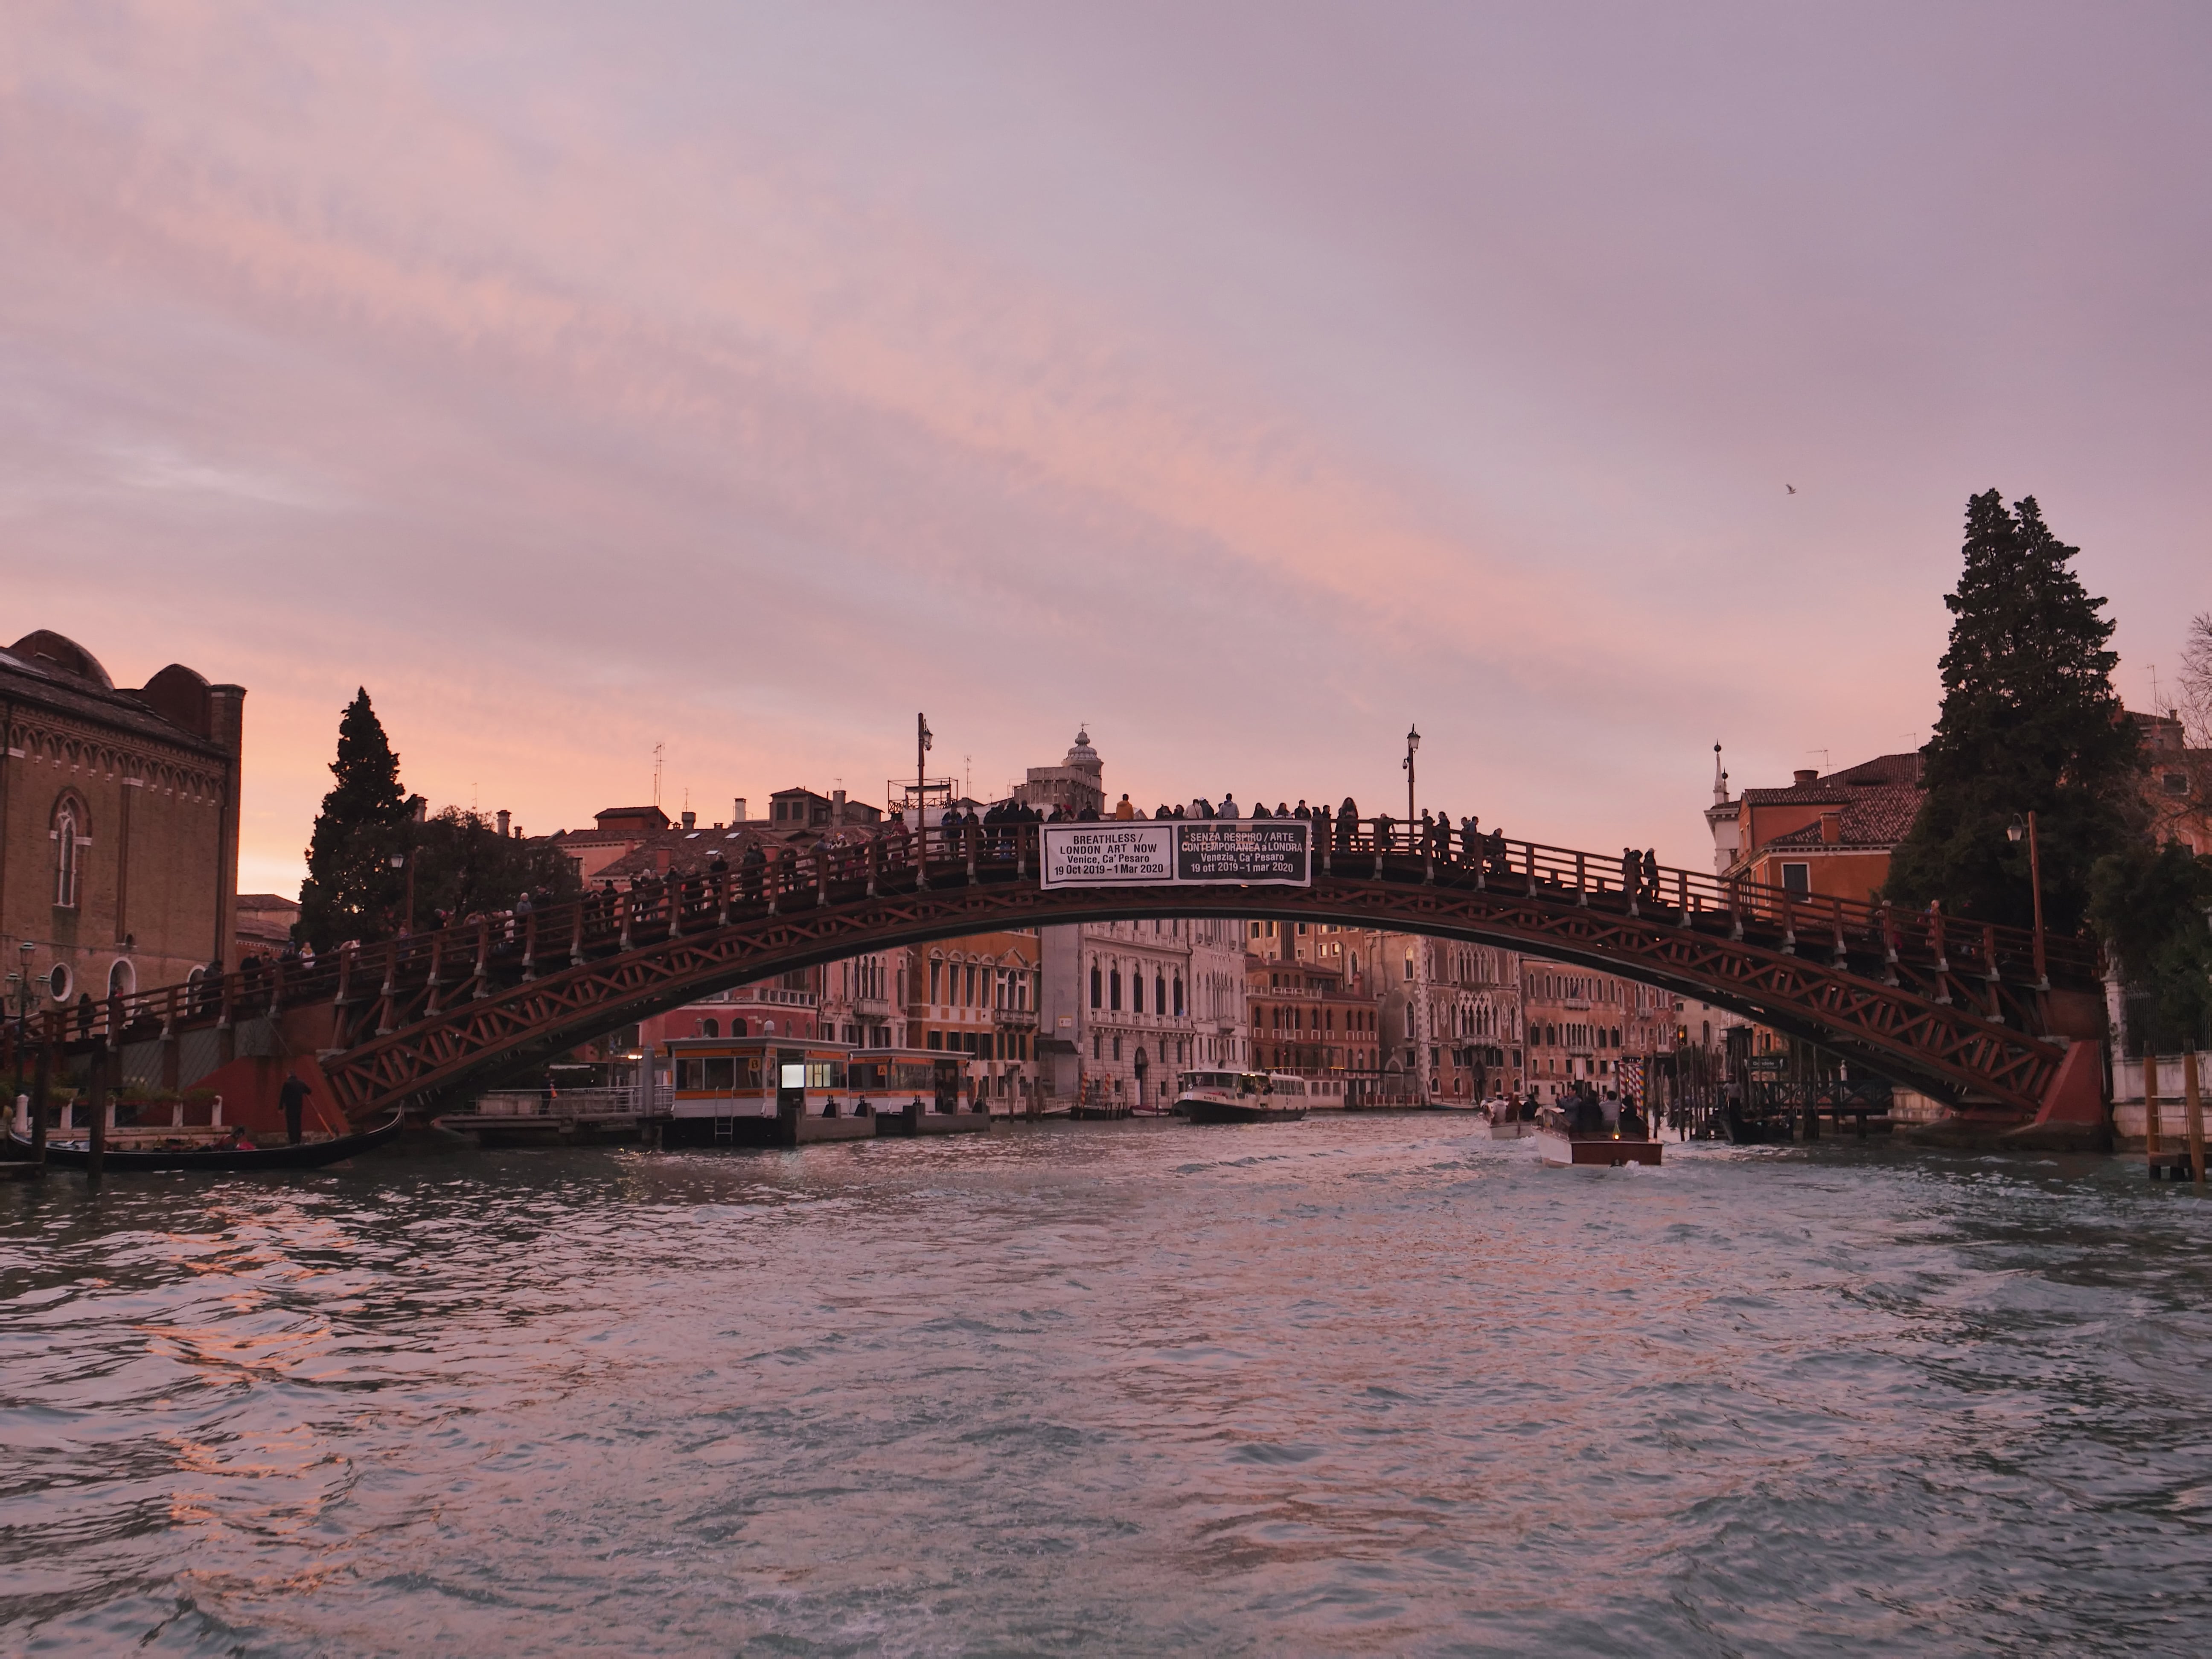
(1350, 1385)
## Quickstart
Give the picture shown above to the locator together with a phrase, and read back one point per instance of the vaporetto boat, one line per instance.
(1241, 1097)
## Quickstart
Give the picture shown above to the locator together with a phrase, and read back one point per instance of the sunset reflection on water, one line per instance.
(1363, 1384)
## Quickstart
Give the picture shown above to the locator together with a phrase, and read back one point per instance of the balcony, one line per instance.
(775, 996)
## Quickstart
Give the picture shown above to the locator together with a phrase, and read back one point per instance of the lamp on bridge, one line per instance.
(401, 862)
(2015, 832)
(1413, 743)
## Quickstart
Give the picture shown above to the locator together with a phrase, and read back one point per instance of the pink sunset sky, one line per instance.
(1246, 380)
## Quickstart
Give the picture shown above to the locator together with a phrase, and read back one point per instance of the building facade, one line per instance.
(118, 824)
(1076, 784)
(1819, 836)
(978, 996)
(1129, 1005)
(1581, 1025)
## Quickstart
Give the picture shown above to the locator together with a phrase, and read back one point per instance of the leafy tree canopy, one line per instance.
(2030, 722)
(465, 865)
(2149, 904)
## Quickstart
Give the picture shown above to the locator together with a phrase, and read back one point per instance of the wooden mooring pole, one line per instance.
(2150, 1109)
(95, 1135)
(2193, 1110)
(41, 1069)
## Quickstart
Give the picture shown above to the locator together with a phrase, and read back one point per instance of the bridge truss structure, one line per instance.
(1960, 1010)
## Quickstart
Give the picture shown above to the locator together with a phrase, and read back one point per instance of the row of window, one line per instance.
(1293, 1016)
(1106, 984)
(1575, 1036)
(1102, 1042)
(983, 1045)
(973, 985)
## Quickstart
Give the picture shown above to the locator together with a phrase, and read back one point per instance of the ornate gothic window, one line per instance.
(70, 839)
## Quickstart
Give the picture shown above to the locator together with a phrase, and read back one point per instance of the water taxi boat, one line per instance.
(1241, 1097)
(1562, 1150)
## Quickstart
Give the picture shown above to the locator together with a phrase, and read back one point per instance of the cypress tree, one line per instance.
(2030, 723)
(351, 890)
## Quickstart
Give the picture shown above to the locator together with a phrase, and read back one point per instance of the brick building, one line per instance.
(1581, 1026)
(118, 823)
(978, 995)
(1830, 836)
(1304, 1018)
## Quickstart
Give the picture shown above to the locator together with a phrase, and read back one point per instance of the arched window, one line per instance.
(708, 1027)
(1095, 983)
(1178, 999)
(71, 835)
(1137, 992)
(736, 1028)
(122, 979)
(1114, 998)
(1160, 995)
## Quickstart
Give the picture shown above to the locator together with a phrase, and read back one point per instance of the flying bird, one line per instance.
(1792, 489)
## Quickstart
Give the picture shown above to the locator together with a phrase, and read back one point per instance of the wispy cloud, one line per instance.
(744, 379)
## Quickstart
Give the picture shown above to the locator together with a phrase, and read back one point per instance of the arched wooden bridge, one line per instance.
(1966, 1012)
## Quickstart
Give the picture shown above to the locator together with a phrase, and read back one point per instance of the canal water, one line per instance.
(1364, 1385)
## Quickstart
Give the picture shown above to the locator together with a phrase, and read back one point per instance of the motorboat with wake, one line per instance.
(1582, 1139)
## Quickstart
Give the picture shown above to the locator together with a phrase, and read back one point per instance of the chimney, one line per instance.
(690, 820)
(836, 806)
(740, 817)
(1806, 774)
(502, 823)
(1831, 827)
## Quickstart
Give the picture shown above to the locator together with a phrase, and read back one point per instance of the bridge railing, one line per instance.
(473, 957)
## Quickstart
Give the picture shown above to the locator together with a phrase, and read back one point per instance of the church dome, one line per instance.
(58, 652)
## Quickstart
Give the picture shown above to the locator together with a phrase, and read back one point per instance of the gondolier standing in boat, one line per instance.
(292, 1096)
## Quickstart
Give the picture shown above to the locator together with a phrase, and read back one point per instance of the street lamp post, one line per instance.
(406, 861)
(1413, 743)
(2014, 832)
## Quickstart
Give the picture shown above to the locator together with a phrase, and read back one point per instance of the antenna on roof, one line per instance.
(657, 749)
(1823, 754)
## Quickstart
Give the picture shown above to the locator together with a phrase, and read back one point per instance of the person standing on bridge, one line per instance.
(1651, 875)
(1347, 824)
(1228, 808)
(1124, 810)
(1260, 809)
(292, 1098)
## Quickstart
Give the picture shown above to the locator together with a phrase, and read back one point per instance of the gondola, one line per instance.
(229, 1160)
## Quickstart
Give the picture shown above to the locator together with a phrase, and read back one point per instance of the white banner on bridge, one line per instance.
(1176, 852)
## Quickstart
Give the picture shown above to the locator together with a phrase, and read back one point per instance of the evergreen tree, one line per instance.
(2030, 723)
(352, 891)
